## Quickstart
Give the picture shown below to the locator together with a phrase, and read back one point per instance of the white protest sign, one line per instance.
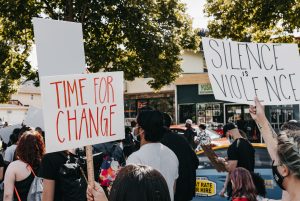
(239, 71)
(34, 118)
(82, 109)
(59, 47)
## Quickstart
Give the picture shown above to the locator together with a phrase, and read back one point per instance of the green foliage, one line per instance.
(254, 20)
(141, 38)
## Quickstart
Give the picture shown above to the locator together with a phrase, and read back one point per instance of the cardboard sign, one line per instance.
(59, 47)
(240, 71)
(34, 118)
(82, 109)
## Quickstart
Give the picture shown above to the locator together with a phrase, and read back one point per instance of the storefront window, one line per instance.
(210, 114)
(187, 111)
(162, 104)
(239, 114)
(130, 109)
(280, 114)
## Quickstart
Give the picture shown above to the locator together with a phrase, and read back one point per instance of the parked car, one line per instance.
(210, 182)
(216, 139)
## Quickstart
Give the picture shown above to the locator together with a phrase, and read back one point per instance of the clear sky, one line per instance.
(195, 10)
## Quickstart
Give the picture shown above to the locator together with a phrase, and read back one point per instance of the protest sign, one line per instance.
(239, 71)
(59, 47)
(82, 109)
(34, 118)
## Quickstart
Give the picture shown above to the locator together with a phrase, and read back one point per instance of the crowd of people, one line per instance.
(151, 163)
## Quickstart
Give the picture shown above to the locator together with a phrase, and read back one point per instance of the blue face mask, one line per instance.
(277, 176)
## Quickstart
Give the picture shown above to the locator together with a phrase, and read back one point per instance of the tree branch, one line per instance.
(50, 10)
(83, 12)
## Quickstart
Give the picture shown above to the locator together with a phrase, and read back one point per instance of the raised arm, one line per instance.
(270, 137)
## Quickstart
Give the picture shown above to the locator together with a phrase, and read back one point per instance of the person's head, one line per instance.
(133, 124)
(13, 138)
(167, 120)
(231, 130)
(139, 183)
(286, 169)
(23, 130)
(150, 126)
(30, 148)
(188, 123)
(291, 125)
(242, 184)
(202, 127)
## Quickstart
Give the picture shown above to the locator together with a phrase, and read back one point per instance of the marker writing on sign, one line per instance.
(278, 87)
(84, 119)
(260, 57)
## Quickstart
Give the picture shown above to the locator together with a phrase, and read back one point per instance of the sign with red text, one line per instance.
(82, 109)
(239, 71)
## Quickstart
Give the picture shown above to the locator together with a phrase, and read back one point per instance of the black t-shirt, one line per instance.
(190, 134)
(188, 163)
(49, 169)
(242, 151)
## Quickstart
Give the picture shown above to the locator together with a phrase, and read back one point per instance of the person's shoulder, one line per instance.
(16, 165)
(133, 158)
(168, 152)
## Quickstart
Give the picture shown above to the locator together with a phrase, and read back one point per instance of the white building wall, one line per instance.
(13, 115)
(139, 85)
(33, 99)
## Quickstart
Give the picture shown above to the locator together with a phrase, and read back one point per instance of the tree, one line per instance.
(141, 38)
(254, 20)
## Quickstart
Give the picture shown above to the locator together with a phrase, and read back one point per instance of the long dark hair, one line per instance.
(31, 149)
(139, 183)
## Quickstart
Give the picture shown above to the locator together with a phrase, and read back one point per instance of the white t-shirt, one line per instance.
(159, 157)
(10, 152)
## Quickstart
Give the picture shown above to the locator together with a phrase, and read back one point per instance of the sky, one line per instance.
(194, 9)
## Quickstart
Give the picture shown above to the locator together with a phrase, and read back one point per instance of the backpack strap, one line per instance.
(18, 196)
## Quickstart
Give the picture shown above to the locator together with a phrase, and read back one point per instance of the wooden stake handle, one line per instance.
(90, 165)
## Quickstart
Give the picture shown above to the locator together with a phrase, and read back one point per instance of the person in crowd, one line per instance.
(219, 129)
(49, 171)
(5, 124)
(20, 173)
(41, 132)
(152, 152)
(10, 151)
(240, 154)
(112, 149)
(133, 183)
(10, 154)
(292, 125)
(128, 144)
(190, 133)
(188, 162)
(284, 151)
(243, 188)
(202, 128)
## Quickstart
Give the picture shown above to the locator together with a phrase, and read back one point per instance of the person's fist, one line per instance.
(95, 193)
(257, 111)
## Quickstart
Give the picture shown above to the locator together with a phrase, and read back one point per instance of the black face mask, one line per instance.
(277, 176)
